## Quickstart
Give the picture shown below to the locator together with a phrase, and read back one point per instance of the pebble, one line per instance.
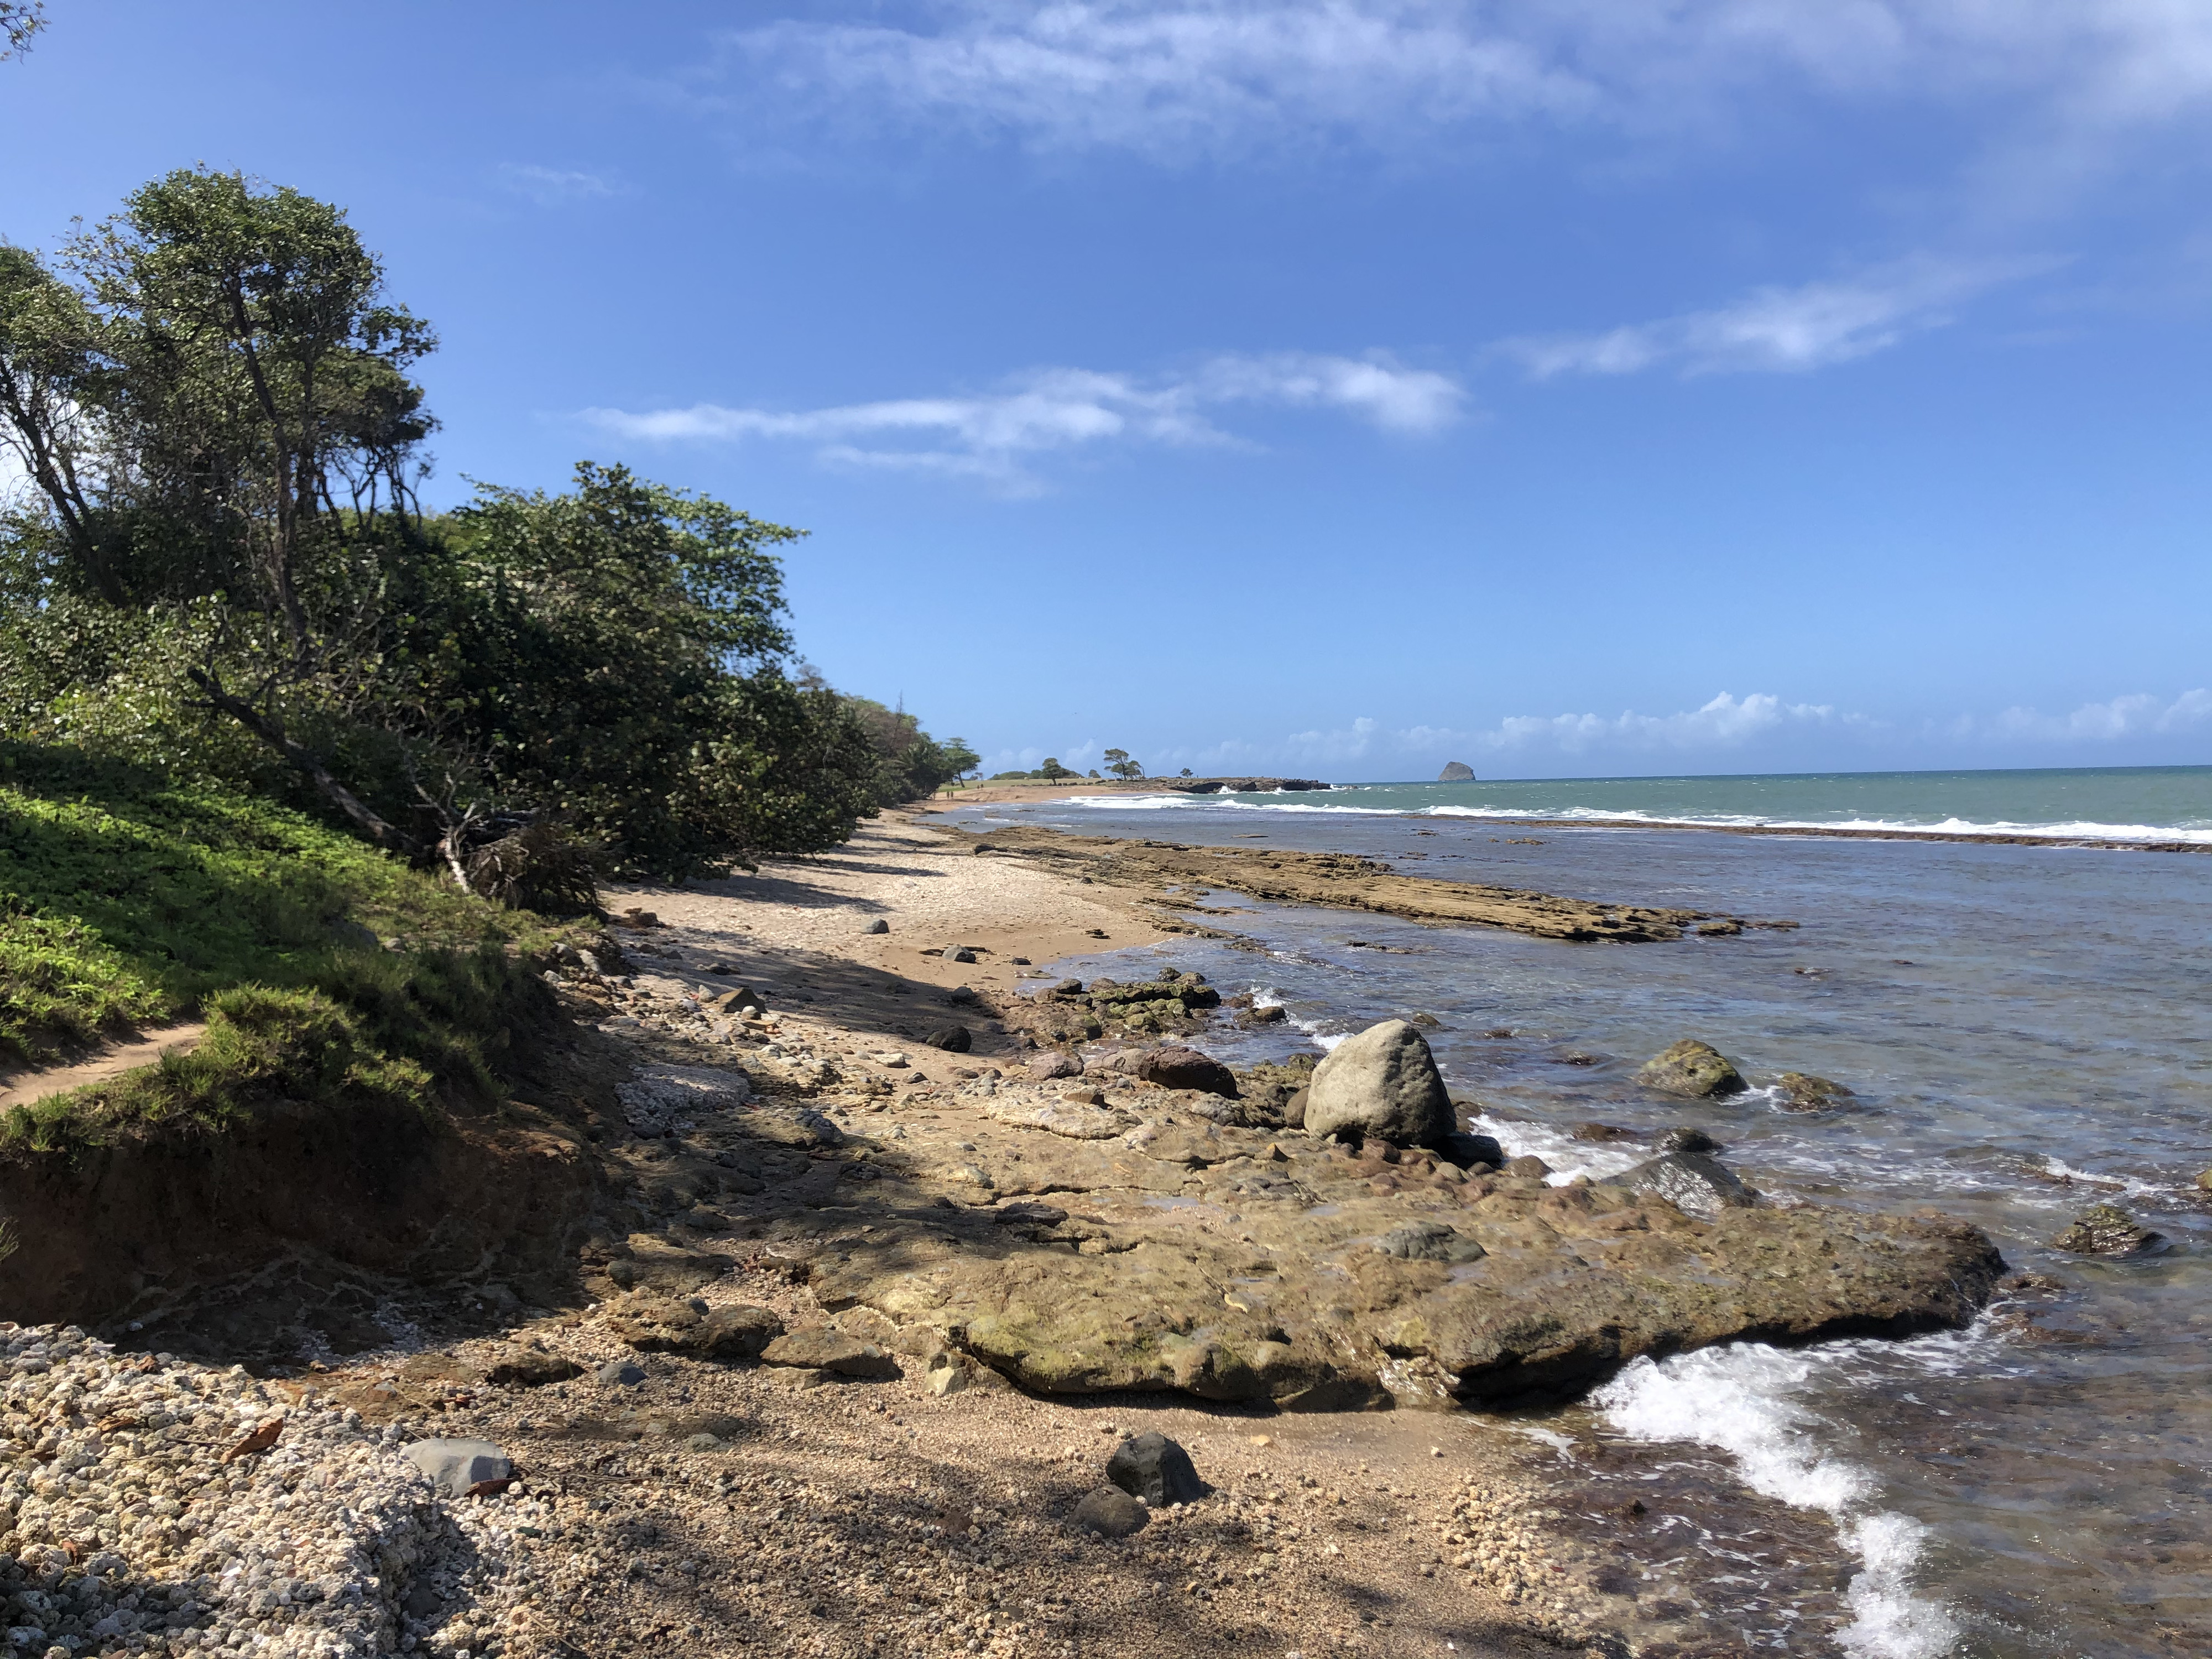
(123, 1527)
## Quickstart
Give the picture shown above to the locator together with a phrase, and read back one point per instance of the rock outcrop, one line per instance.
(1457, 772)
(1694, 1070)
(2106, 1229)
(1382, 1082)
(1803, 1093)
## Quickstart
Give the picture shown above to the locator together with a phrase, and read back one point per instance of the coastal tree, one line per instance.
(19, 20)
(1119, 763)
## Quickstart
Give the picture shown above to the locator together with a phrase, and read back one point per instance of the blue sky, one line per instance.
(1565, 386)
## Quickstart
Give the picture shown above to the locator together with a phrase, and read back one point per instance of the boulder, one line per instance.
(1046, 1067)
(1527, 1167)
(620, 1374)
(1428, 1241)
(2107, 1230)
(1695, 1069)
(1457, 772)
(456, 1466)
(1294, 1108)
(953, 1039)
(1696, 1183)
(1687, 1141)
(821, 1348)
(878, 926)
(520, 1365)
(1804, 1093)
(738, 1333)
(1467, 1149)
(1187, 1068)
(958, 953)
(1382, 1082)
(1109, 1512)
(1157, 1469)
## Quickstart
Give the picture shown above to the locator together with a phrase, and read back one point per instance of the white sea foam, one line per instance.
(1741, 1400)
(1568, 1157)
(2068, 831)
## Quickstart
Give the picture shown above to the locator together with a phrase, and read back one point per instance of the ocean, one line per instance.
(2027, 1031)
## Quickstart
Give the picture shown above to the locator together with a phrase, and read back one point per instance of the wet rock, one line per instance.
(2106, 1229)
(1803, 1093)
(953, 1039)
(1428, 1241)
(1695, 1183)
(1109, 1512)
(1598, 1134)
(455, 1466)
(1047, 1067)
(1695, 1069)
(1527, 1167)
(1187, 1068)
(1687, 1141)
(524, 1365)
(2204, 1182)
(821, 1348)
(1029, 1212)
(619, 1374)
(1381, 1083)
(1157, 1469)
(878, 926)
(1467, 1150)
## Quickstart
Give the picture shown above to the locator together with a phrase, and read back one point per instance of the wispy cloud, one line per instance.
(1778, 329)
(1208, 76)
(992, 436)
(553, 187)
(1725, 722)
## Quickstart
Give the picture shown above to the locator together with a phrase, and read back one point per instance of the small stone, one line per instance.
(1527, 1167)
(1028, 1211)
(1428, 1241)
(1151, 1467)
(889, 1059)
(819, 1348)
(1109, 1512)
(953, 1039)
(704, 1442)
(878, 926)
(620, 1373)
(521, 1366)
(959, 953)
(457, 1466)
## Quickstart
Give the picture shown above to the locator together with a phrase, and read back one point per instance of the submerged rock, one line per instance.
(2107, 1229)
(1382, 1082)
(1696, 1183)
(1157, 1469)
(1804, 1093)
(1696, 1070)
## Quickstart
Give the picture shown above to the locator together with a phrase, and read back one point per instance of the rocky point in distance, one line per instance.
(1457, 772)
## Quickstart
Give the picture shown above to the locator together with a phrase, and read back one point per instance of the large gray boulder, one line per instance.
(1381, 1083)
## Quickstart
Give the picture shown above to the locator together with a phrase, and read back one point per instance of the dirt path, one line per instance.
(127, 1055)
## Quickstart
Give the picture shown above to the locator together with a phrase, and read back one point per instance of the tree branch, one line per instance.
(271, 733)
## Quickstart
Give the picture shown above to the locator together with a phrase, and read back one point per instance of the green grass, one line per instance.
(126, 898)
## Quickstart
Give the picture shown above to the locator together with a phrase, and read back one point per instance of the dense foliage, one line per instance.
(222, 569)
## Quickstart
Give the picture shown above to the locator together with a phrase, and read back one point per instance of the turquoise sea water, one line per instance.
(2145, 802)
(2028, 1031)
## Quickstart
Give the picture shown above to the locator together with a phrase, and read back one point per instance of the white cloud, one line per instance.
(1198, 77)
(1725, 722)
(989, 436)
(552, 187)
(1778, 330)
(2134, 716)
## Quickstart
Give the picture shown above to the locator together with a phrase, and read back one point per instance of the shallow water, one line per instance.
(2027, 1031)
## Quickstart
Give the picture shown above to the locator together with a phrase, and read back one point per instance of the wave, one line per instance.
(2082, 829)
(1741, 1400)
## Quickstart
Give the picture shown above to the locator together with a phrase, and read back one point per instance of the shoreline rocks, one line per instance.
(2107, 1230)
